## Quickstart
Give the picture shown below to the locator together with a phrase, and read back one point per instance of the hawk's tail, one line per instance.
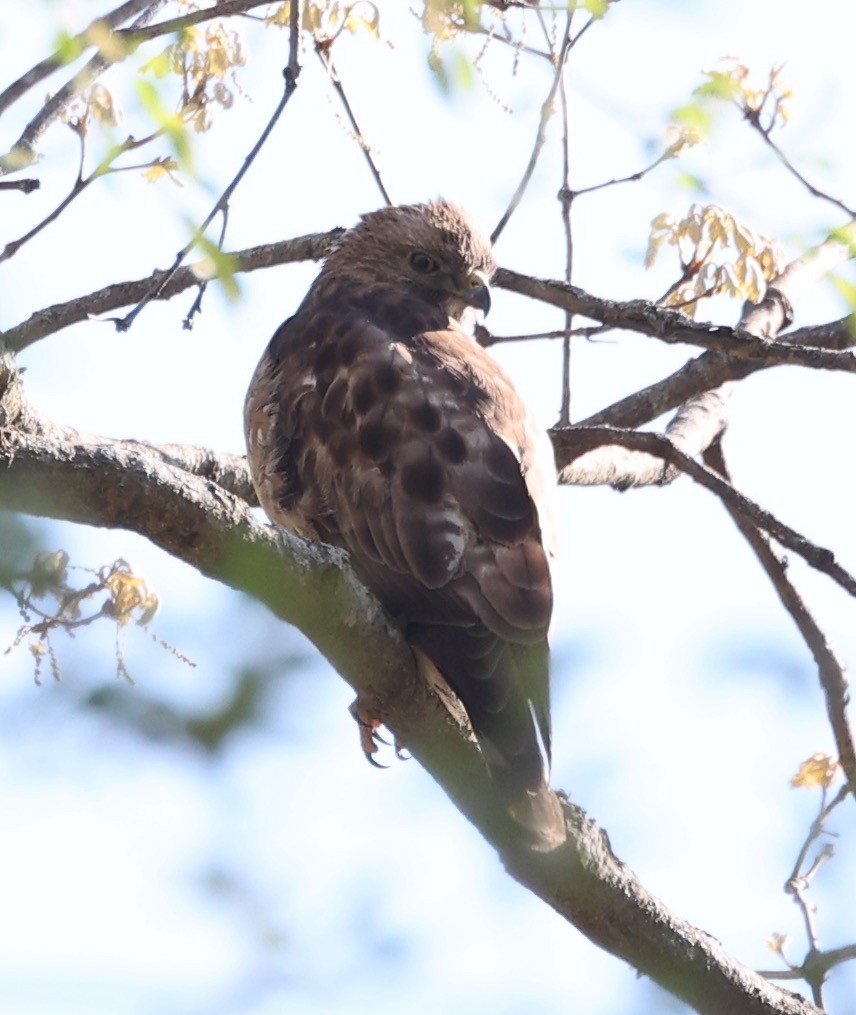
(540, 815)
(537, 811)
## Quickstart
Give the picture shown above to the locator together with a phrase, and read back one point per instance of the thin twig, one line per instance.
(196, 306)
(323, 49)
(566, 200)
(618, 180)
(80, 184)
(547, 109)
(753, 118)
(814, 967)
(817, 828)
(290, 74)
(486, 338)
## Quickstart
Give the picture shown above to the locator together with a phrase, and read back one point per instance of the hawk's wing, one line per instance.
(411, 449)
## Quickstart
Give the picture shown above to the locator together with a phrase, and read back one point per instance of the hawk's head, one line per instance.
(433, 250)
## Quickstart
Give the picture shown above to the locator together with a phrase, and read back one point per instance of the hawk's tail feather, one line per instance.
(539, 812)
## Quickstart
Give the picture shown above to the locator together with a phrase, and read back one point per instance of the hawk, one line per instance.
(375, 423)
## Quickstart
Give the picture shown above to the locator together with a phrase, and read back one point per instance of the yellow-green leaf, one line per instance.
(694, 116)
(845, 289)
(169, 122)
(67, 47)
(219, 265)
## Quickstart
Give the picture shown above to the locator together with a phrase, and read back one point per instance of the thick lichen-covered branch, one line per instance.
(47, 471)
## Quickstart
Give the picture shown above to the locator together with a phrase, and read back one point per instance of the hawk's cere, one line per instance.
(376, 423)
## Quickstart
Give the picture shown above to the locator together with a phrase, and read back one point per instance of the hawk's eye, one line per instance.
(423, 263)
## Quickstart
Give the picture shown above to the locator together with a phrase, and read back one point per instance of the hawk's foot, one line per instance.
(370, 738)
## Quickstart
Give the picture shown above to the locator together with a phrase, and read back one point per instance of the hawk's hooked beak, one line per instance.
(478, 295)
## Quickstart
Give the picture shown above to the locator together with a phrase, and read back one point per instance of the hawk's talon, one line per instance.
(370, 738)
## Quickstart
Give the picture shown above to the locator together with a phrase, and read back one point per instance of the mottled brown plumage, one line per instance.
(375, 423)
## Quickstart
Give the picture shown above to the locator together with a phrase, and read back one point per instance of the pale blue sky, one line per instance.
(684, 699)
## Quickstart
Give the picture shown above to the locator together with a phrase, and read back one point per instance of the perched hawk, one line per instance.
(375, 423)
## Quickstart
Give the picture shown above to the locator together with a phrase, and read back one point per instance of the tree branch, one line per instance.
(125, 40)
(671, 326)
(830, 352)
(832, 678)
(573, 445)
(222, 9)
(85, 39)
(23, 152)
(109, 484)
(50, 320)
(710, 370)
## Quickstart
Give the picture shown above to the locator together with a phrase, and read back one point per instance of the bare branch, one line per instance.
(707, 371)
(223, 9)
(831, 672)
(753, 117)
(640, 174)
(636, 315)
(816, 967)
(52, 319)
(573, 443)
(701, 419)
(566, 201)
(671, 326)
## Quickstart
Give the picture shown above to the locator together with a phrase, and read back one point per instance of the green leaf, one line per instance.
(597, 8)
(220, 266)
(845, 235)
(454, 73)
(67, 47)
(691, 182)
(696, 116)
(718, 86)
(159, 65)
(167, 121)
(472, 13)
(845, 289)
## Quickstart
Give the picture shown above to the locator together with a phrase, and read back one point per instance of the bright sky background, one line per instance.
(684, 700)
